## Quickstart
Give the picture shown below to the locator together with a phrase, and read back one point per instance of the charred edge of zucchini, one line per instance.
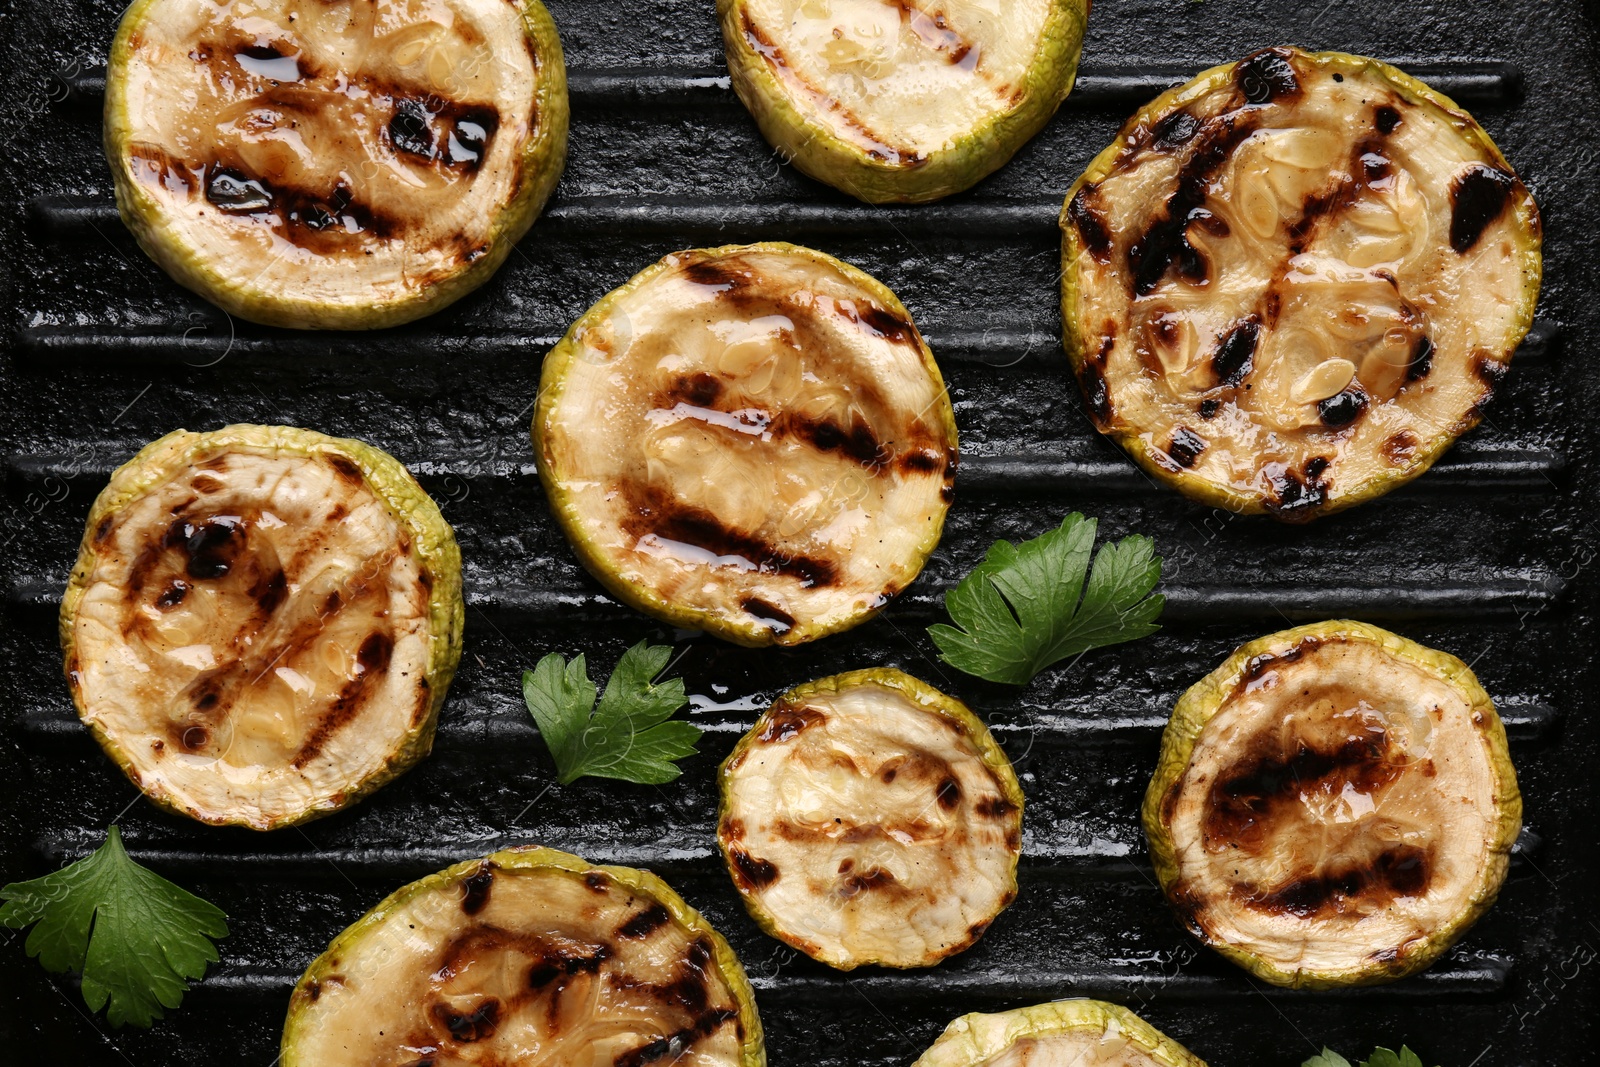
(559, 359)
(406, 501)
(533, 857)
(1202, 701)
(1148, 454)
(540, 166)
(820, 153)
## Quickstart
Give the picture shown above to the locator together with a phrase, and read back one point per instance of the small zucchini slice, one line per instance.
(749, 440)
(262, 623)
(334, 165)
(1065, 1033)
(1292, 283)
(870, 818)
(1333, 806)
(527, 956)
(901, 101)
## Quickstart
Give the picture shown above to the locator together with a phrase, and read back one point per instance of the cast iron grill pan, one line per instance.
(1487, 556)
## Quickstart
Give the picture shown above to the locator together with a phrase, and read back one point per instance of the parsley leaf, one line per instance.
(631, 735)
(1327, 1058)
(1381, 1057)
(134, 935)
(1027, 606)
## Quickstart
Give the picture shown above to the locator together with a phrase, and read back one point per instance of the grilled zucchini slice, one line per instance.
(527, 956)
(901, 100)
(749, 440)
(1290, 284)
(870, 818)
(1063, 1033)
(1333, 806)
(262, 623)
(341, 164)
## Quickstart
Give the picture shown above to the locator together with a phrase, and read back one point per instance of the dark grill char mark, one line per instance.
(313, 220)
(751, 872)
(372, 659)
(858, 441)
(1096, 394)
(1397, 871)
(673, 1047)
(644, 924)
(1175, 130)
(1421, 361)
(212, 545)
(1478, 196)
(1236, 352)
(1186, 447)
(173, 595)
(698, 390)
(453, 135)
(1243, 802)
(994, 807)
(1386, 118)
(1294, 498)
(654, 513)
(1165, 244)
(1266, 77)
(787, 723)
(477, 1025)
(715, 274)
(764, 611)
(1341, 409)
(869, 880)
(948, 793)
(1093, 232)
(475, 889)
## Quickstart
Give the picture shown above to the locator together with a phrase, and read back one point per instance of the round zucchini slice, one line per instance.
(1333, 806)
(262, 622)
(527, 956)
(870, 818)
(1290, 284)
(895, 101)
(343, 164)
(749, 440)
(1064, 1033)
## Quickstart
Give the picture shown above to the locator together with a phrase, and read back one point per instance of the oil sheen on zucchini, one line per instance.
(1292, 283)
(870, 818)
(334, 163)
(751, 440)
(1334, 805)
(262, 623)
(527, 956)
(901, 101)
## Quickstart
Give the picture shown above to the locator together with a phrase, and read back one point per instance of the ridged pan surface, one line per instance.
(1492, 555)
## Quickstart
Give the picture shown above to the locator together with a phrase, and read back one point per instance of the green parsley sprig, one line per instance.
(630, 736)
(1381, 1057)
(135, 937)
(1027, 606)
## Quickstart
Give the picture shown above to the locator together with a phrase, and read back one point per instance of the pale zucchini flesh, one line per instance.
(893, 100)
(1292, 283)
(334, 163)
(1063, 1033)
(263, 622)
(526, 956)
(752, 441)
(869, 818)
(1334, 805)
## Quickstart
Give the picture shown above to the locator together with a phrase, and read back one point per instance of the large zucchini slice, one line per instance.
(750, 440)
(528, 956)
(1290, 284)
(338, 164)
(901, 100)
(1064, 1033)
(1334, 805)
(262, 623)
(870, 818)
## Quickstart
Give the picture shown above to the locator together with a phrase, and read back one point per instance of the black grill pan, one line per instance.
(1491, 556)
